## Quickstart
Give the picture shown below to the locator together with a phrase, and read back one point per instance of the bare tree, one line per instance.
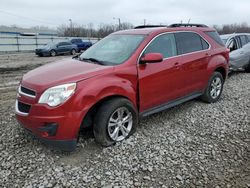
(89, 30)
(233, 28)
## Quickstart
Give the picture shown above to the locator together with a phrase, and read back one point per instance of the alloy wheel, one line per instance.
(216, 87)
(120, 124)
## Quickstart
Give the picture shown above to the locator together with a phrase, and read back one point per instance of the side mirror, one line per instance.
(151, 58)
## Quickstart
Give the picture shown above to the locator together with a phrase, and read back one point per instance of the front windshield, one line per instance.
(224, 41)
(113, 49)
(50, 44)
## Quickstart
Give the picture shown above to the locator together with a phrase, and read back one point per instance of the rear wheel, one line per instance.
(73, 52)
(52, 53)
(214, 88)
(115, 121)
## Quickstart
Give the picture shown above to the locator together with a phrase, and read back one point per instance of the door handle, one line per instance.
(207, 54)
(177, 65)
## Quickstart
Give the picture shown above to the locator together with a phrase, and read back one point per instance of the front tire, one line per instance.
(247, 69)
(214, 88)
(115, 121)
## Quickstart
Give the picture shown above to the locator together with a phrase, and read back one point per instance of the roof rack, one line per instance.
(187, 25)
(148, 26)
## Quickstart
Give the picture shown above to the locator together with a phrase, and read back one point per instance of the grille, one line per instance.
(24, 108)
(27, 92)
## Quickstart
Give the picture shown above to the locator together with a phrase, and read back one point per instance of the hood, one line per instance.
(61, 72)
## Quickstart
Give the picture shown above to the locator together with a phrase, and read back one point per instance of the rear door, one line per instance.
(193, 57)
(245, 50)
(238, 55)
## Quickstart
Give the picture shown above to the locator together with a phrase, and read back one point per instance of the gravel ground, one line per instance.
(191, 145)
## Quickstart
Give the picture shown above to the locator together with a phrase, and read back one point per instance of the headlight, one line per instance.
(58, 94)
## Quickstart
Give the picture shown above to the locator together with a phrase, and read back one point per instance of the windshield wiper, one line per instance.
(93, 60)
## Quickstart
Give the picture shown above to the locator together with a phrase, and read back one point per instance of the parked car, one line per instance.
(239, 46)
(53, 49)
(81, 45)
(127, 75)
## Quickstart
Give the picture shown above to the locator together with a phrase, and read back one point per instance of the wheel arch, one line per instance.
(87, 120)
(221, 70)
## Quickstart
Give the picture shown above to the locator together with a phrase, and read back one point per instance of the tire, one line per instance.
(73, 52)
(53, 53)
(108, 129)
(247, 69)
(214, 88)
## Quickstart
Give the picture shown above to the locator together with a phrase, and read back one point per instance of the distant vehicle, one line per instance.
(239, 46)
(53, 49)
(81, 45)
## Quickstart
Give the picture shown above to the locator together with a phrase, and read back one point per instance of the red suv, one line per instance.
(128, 74)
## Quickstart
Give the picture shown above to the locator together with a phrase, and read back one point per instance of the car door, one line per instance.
(67, 47)
(193, 57)
(60, 47)
(237, 54)
(158, 82)
(245, 50)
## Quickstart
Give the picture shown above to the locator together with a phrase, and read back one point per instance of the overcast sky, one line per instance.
(53, 13)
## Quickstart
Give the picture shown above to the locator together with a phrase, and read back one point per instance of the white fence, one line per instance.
(17, 43)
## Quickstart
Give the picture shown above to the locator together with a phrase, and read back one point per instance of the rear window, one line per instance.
(76, 40)
(188, 42)
(214, 35)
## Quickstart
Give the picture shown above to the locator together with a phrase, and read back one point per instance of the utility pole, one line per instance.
(119, 22)
(71, 27)
(144, 21)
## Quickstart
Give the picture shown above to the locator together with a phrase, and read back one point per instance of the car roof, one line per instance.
(226, 36)
(155, 30)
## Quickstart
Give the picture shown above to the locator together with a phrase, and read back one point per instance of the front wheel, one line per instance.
(214, 88)
(115, 121)
(247, 69)
(52, 53)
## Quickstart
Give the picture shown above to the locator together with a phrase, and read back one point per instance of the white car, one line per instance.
(239, 46)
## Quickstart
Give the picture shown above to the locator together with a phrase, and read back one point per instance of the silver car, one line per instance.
(239, 46)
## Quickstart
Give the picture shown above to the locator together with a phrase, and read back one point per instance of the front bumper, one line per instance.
(55, 127)
(42, 53)
(64, 145)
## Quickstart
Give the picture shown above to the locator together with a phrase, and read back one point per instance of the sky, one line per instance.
(53, 13)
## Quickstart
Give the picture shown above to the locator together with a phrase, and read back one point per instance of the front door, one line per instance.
(158, 82)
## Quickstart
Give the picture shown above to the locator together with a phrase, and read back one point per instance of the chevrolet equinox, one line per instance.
(127, 75)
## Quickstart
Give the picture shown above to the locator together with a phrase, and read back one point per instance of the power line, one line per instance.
(27, 18)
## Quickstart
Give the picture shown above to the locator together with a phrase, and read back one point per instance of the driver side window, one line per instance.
(164, 44)
(232, 45)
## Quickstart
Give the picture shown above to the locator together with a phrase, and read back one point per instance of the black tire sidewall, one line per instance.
(103, 115)
(207, 94)
(247, 69)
